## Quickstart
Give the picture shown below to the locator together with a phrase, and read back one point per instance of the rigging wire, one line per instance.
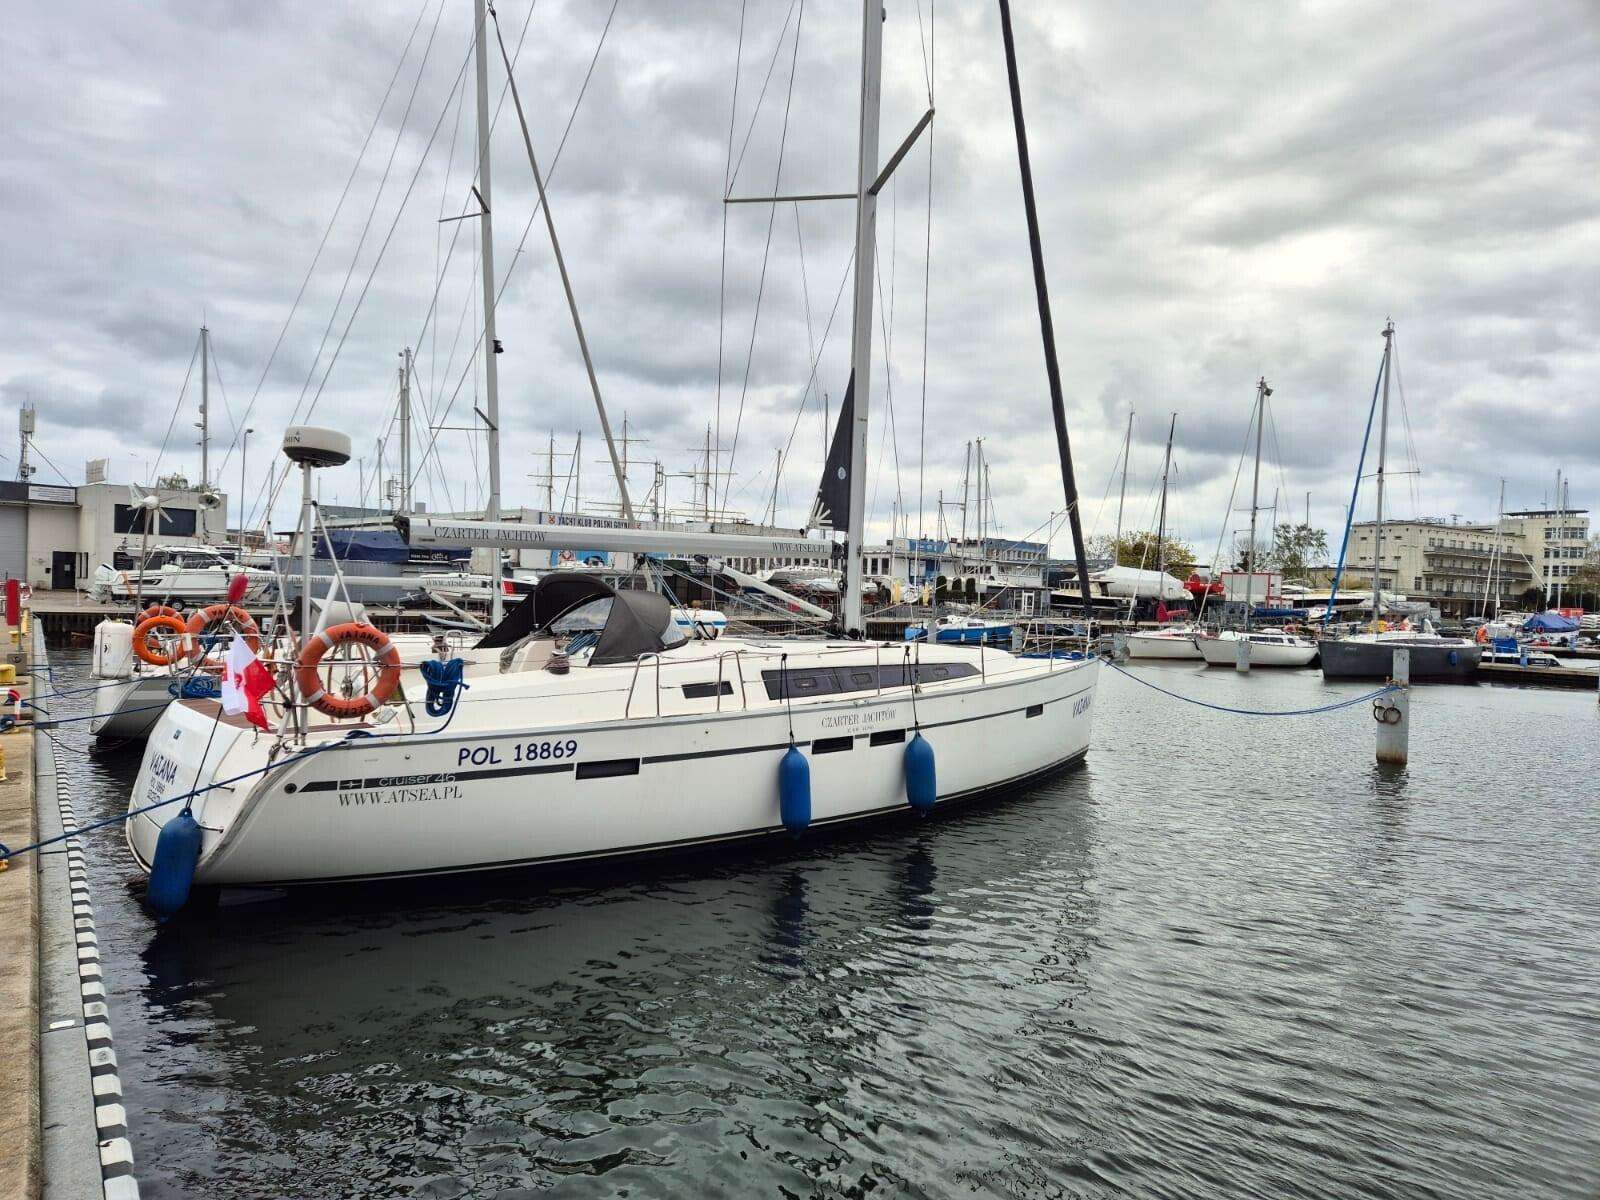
(727, 183)
(344, 193)
(516, 256)
(372, 273)
(155, 472)
(766, 253)
(270, 497)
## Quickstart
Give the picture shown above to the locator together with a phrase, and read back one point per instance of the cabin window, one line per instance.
(706, 691)
(827, 681)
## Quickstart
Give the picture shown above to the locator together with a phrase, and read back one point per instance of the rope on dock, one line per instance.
(1259, 712)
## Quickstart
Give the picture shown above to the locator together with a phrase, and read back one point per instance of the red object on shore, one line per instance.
(1197, 587)
(13, 602)
(236, 587)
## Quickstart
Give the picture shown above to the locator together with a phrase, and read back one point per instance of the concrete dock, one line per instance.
(63, 1130)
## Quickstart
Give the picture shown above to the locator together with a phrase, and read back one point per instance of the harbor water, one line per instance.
(1228, 956)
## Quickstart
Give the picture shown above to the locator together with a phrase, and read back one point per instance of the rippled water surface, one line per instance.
(1226, 957)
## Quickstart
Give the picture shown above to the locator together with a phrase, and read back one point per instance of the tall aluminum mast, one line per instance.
(861, 328)
(405, 430)
(1383, 456)
(1262, 392)
(491, 344)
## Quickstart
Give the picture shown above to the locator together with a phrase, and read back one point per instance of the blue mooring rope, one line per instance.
(444, 684)
(1260, 712)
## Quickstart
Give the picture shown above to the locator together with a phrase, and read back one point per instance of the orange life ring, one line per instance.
(152, 654)
(213, 614)
(309, 683)
(160, 610)
(1482, 636)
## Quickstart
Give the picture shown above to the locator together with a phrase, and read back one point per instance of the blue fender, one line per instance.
(177, 852)
(922, 789)
(794, 791)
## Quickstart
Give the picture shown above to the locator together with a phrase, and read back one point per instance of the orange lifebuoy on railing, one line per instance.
(309, 683)
(160, 610)
(202, 621)
(151, 653)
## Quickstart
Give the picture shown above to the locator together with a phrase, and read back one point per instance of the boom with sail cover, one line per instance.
(831, 508)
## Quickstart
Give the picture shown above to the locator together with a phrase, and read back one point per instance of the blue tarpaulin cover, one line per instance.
(1549, 622)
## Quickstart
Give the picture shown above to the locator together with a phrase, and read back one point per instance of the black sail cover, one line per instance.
(832, 507)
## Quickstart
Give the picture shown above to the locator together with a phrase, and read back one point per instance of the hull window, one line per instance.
(1036, 710)
(832, 745)
(888, 737)
(608, 768)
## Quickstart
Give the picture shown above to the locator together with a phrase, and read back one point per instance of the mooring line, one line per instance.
(1259, 712)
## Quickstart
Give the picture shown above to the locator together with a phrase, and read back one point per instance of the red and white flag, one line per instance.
(244, 681)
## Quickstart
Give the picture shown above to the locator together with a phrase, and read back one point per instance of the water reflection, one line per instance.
(1220, 959)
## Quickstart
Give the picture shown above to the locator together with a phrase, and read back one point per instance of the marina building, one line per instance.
(54, 536)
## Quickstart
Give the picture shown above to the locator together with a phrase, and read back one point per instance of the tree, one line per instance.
(1141, 550)
(1585, 581)
(1298, 547)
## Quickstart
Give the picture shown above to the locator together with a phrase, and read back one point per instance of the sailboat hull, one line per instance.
(374, 808)
(127, 712)
(1224, 652)
(1155, 645)
(1351, 659)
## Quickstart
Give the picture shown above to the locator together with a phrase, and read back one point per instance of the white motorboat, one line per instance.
(187, 573)
(965, 629)
(1177, 641)
(1268, 648)
(648, 741)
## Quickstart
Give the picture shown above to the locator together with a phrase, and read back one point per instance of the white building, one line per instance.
(54, 536)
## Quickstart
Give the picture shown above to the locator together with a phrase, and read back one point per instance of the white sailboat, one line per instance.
(1245, 647)
(592, 727)
(1169, 641)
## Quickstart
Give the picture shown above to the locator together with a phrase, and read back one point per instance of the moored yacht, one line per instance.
(591, 727)
(1268, 648)
(590, 724)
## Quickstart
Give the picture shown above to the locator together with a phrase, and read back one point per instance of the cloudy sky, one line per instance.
(1226, 191)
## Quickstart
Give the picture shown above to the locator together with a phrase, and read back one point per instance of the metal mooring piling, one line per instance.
(1393, 713)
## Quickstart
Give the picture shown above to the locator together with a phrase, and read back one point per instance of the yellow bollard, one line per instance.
(2, 764)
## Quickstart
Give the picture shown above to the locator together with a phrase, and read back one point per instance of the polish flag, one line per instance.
(244, 682)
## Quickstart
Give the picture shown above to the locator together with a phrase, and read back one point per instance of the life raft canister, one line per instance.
(148, 651)
(309, 682)
(203, 621)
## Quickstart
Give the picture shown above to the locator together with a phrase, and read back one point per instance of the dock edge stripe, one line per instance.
(117, 1181)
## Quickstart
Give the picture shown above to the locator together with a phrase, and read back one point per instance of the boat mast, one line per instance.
(1494, 557)
(872, 18)
(405, 430)
(1262, 392)
(1069, 483)
(205, 406)
(1122, 494)
(1161, 522)
(1383, 455)
(491, 344)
